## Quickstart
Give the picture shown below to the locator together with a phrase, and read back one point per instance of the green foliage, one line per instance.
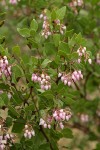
(49, 46)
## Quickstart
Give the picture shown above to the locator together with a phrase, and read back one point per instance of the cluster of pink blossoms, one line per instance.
(76, 3)
(59, 116)
(5, 137)
(84, 118)
(43, 79)
(13, 1)
(62, 27)
(4, 67)
(44, 123)
(83, 54)
(4, 140)
(28, 132)
(68, 79)
(62, 115)
(46, 26)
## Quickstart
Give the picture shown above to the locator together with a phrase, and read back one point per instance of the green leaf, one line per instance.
(25, 32)
(8, 121)
(56, 39)
(18, 126)
(13, 110)
(72, 42)
(67, 133)
(4, 86)
(45, 146)
(16, 50)
(97, 147)
(17, 71)
(34, 25)
(61, 13)
(64, 47)
(53, 15)
(4, 97)
(45, 63)
(29, 108)
(69, 33)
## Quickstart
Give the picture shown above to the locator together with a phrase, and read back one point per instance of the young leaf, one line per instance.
(34, 25)
(45, 63)
(56, 38)
(61, 13)
(25, 32)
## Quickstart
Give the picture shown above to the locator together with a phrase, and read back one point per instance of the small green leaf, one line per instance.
(64, 47)
(34, 25)
(61, 13)
(67, 133)
(18, 126)
(53, 15)
(4, 97)
(56, 38)
(13, 110)
(25, 32)
(45, 63)
(16, 50)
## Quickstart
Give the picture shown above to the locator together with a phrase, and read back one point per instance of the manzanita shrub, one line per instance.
(49, 73)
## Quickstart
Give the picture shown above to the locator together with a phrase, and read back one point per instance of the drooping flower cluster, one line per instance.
(98, 58)
(46, 26)
(13, 1)
(83, 54)
(61, 26)
(44, 123)
(6, 139)
(58, 117)
(69, 78)
(61, 115)
(28, 132)
(84, 118)
(76, 3)
(4, 67)
(43, 79)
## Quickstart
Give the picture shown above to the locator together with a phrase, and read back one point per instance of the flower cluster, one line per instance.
(44, 123)
(61, 115)
(69, 78)
(28, 132)
(4, 140)
(43, 79)
(58, 116)
(83, 54)
(61, 26)
(5, 137)
(13, 1)
(84, 118)
(98, 58)
(46, 26)
(76, 3)
(4, 67)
